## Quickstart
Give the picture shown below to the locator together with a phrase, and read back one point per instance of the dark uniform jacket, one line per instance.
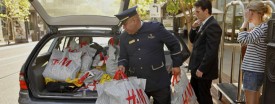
(143, 54)
(205, 49)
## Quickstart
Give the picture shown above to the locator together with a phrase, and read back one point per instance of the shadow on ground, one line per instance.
(10, 44)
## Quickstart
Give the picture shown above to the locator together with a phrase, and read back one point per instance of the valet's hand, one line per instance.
(176, 71)
(121, 67)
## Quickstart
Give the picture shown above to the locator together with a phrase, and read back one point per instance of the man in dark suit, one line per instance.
(205, 36)
(141, 49)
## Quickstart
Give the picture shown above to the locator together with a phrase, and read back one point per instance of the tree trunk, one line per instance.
(175, 25)
(188, 20)
(12, 30)
(8, 28)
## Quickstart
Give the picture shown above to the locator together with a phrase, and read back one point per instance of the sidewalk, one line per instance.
(214, 91)
(226, 70)
(2, 44)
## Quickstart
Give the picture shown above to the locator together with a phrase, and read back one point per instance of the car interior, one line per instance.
(37, 80)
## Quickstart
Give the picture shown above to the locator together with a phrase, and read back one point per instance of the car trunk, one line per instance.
(38, 86)
(88, 18)
(35, 79)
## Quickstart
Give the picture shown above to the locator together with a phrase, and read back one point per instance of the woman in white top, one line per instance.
(253, 64)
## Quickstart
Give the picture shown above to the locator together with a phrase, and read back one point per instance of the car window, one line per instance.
(46, 48)
(62, 43)
(102, 41)
(73, 43)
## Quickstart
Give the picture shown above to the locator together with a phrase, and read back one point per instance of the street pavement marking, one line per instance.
(12, 57)
(9, 75)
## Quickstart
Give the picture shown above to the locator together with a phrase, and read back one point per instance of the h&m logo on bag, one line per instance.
(64, 62)
(186, 97)
(137, 99)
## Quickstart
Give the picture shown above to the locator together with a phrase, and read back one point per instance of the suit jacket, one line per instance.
(205, 49)
(143, 53)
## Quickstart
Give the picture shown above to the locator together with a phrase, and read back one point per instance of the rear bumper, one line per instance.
(24, 98)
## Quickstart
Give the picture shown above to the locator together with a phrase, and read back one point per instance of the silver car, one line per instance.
(70, 20)
(67, 20)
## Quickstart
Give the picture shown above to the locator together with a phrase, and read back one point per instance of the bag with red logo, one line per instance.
(103, 98)
(123, 90)
(86, 59)
(56, 55)
(182, 91)
(62, 68)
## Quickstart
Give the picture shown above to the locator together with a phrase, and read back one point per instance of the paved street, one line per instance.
(11, 59)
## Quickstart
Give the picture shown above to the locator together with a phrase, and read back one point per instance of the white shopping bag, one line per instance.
(182, 92)
(96, 60)
(139, 81)
(111, 63)
(122, 91)
(73, 46)
(96, 75)
(103, 98)
(67, 67)
(86, 59)
(56, 55)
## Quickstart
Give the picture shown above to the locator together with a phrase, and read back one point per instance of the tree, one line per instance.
(13, 11)
(143, 7)
(184, 6)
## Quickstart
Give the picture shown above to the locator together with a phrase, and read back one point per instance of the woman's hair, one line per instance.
(260, 8)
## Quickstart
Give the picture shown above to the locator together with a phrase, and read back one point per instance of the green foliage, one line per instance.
(188, 4)
(143, 7)
(189, 1)
(18, 9)
(24, 7)
(15, 10)
(173, 7)
(161, 1)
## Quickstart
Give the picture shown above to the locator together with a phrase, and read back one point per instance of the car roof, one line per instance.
(64, 13)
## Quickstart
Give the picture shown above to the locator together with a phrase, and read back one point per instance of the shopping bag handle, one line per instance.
(120, 75)
(174, 79)
(81, 80)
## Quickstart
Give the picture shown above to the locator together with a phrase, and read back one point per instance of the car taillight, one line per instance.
(23, 85)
